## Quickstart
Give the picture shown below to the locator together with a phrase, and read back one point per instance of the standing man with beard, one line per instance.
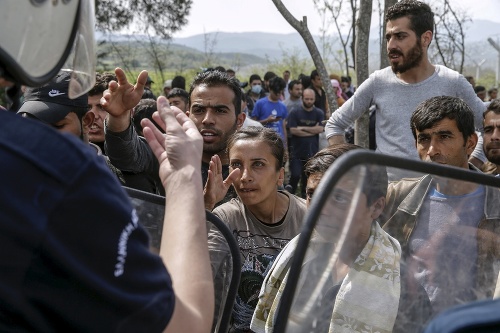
(305, 125)
(397, 90)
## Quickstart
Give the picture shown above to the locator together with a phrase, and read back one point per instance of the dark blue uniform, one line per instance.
(72, 254)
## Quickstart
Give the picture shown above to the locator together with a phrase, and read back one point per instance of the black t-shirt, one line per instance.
(74, 257)
(320, 101)
(304, 147)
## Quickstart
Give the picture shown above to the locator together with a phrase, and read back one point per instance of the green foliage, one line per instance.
(161, 17)
(291, 59)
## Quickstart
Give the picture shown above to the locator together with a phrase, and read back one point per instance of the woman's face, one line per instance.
(258, 179)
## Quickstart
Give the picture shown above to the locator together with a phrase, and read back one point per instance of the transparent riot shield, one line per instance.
(150, 209)
(386, 257)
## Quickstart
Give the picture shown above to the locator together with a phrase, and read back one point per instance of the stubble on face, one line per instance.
(411, 59)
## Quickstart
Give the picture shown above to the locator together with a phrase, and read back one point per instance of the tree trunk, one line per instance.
(363, 22)
(384, 61)
(303, 30)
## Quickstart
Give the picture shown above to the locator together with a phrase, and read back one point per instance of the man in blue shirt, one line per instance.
(270, 111)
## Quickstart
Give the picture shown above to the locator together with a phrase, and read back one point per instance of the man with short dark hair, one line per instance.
(231, 72)
(286, 77)
(431, 216)
(491, 137)
(215, 108)
(96, 134)
(480, 92)
(295, 95)
(179, 98)
(270, 111)
(492, 94)
(320, 99)
(397, 90)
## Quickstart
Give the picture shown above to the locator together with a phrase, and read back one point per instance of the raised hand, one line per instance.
(179, 149)
(216, 187)
(121, 96)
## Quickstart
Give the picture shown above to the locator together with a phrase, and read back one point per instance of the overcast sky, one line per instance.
(262, 15)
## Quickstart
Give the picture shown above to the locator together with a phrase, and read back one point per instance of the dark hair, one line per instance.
(179, 82)
(144, 109)
(435, 109)
(375, 181)
(314, 74)
(218, 79)
(420, 15)
(254, 77)
(229, 70)
(277, 84)
(306, 80)
(479, 89)
(292, 83)
(267, 135)
(101, 83)
(220, 69)
(492, 90)
(269, 75)
(178, 92)
(494, 107)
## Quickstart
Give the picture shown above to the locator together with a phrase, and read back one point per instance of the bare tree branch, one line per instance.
(303, 30)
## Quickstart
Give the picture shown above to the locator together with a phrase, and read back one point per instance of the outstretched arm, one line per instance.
(184, 242)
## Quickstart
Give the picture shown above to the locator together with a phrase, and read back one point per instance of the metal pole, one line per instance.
(497, 47)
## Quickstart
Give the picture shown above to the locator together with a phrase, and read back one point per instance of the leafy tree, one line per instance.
(159, 17)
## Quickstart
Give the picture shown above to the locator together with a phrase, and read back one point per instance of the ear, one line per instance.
(471, 143)
(281, 177)
(87, 121)
(240, 119)
(377, 208)
(426, 38)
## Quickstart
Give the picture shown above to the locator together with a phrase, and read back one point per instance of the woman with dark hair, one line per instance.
(263, 219)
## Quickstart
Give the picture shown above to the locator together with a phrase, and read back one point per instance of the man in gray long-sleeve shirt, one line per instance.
(397, 90)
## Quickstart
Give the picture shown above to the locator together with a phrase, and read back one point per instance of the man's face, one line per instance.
(481, 95)
(178, 102)
(286, 76)
(96, 133)
(296, 91)
(491, 143)
(493, 94)
(73, 125)
(444, 144)
(212, 110)
(316, 82)
(344, 85)
(308, 99)
(256, 83)
(336, 212)
(404, 49)
(166, 90)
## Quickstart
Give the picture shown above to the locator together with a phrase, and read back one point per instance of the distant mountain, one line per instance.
(264, 44)
(253, 48)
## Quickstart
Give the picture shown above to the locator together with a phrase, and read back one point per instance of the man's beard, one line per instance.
(307, 106)
(410, 60)
(493, 158)
(217, 147)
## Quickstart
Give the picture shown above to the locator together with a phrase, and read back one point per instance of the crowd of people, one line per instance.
(253, 154)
